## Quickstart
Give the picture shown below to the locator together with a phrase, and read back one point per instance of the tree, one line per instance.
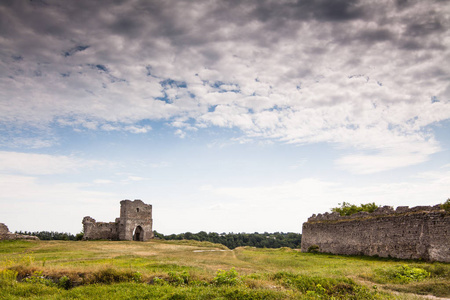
(233, 240)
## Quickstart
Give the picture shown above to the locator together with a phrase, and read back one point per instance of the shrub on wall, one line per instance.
(347, 209)
(446, 205)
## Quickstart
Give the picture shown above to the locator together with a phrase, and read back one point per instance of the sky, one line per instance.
(226, 116)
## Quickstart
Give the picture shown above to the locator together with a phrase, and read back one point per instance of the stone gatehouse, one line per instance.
(135, 223)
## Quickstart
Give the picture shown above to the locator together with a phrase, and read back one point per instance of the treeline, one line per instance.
(53, 235)
(233, 240)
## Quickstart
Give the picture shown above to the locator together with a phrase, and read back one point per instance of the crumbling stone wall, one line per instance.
(135, 223)
(94, 230)
(421, 232)
(3, 229)
(6, 235)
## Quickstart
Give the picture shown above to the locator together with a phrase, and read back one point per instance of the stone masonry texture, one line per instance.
(135, 223)
(421, 232)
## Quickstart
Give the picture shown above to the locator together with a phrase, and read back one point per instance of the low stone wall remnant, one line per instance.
(6, 235)
(421, 232)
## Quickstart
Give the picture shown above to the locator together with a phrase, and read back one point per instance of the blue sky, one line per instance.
(226, 116)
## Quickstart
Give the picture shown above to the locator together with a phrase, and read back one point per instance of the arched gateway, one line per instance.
(138, 234)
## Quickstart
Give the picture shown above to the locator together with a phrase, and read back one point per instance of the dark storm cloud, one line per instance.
(75, 50)
(376, 35)
(193, 23)
(324, 10)
(424, 28)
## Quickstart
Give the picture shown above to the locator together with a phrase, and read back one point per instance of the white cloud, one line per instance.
(291, 203)
(136, 178)
(368, 164)
(129, 128)
(32, 143)
(40, 164)
(109, 127)
(180, 133)
(136, 129)
(103, 181)
(28, 204)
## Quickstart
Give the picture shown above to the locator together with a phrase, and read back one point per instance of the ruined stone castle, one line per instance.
(421, 232)
(134, 224)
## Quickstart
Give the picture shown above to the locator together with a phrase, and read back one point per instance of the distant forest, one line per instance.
(231, 240)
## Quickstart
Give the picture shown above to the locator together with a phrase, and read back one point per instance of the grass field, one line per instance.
(200, 270)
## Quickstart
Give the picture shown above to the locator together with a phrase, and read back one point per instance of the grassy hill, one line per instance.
(201, 270)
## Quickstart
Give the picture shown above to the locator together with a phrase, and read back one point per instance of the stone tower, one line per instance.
(135, 222)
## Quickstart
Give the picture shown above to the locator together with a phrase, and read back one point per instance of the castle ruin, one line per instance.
(6, 235)
(134, 224)
(421, 232)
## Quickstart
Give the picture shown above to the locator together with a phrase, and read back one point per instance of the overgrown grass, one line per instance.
(197, 270)
(401, 274)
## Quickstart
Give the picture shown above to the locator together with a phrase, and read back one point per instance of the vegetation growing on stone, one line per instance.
(446, 205)
(348, 209)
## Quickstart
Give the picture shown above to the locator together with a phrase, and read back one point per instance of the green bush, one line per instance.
(446, 205)
(223, 277)
(159, 281)
(64, 283)
(38, 278)
(179, 278)
(137, 277)
(347, 209)
(111, 275)
(79, 236)
(316, 287)
(403, 274)
(313, 249)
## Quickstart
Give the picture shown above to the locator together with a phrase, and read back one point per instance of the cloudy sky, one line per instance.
(226, 116)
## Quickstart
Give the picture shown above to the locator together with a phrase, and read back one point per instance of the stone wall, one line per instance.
(94, 230)
(421, 232)
(3, 229)
(6, 235)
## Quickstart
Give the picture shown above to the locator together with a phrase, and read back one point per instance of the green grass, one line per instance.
(176, 270)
